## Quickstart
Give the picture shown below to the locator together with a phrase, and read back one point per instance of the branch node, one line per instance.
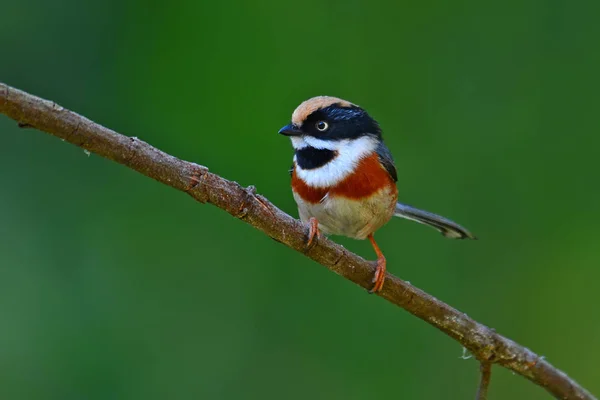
(197, 177)
(242, 212)
(534, 362)
(251, 193)
(266, 204)
(251, 190)
(57, 107)
(487, 354)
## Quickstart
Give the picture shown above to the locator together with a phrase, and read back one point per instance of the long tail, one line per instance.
(444, 226)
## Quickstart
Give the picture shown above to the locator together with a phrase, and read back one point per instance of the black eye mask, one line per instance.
(344, 123)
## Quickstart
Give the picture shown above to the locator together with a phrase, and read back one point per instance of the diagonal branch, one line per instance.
(243, 203)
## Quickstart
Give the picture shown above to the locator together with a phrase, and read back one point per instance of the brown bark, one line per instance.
(484, 382)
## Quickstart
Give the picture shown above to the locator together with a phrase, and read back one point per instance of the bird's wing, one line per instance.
(386, 159)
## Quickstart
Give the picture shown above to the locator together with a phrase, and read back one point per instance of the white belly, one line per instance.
(347, 217)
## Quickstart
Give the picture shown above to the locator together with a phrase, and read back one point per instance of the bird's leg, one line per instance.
(379, 277)
(313, 231)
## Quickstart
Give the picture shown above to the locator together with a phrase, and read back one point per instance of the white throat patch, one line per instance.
(349, 154)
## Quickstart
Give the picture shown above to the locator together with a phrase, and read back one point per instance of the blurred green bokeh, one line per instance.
(112, 285)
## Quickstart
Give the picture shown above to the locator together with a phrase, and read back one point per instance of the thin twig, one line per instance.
(484, 343)
(484, 383)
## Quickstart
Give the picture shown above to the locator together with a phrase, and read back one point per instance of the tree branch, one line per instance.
(243, 203)
(484, 383)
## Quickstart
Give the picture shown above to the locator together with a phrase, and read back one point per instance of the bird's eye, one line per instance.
(322, 126)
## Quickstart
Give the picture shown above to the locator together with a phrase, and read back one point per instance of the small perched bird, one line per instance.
(344, 177)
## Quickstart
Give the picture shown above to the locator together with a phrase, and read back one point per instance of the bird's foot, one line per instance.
(379, 276)
(313, 233)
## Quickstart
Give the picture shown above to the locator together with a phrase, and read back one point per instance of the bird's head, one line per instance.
(322, 121)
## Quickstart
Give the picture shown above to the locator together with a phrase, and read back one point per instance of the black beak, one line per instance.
(290, 130)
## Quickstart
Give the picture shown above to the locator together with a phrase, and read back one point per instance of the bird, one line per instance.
(343, 177)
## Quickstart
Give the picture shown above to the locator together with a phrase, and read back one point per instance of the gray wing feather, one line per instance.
(386, 159)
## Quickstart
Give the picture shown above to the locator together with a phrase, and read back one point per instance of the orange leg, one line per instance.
(313, 231)
(379, 277)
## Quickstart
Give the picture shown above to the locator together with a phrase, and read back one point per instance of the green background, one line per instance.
(111, 284)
